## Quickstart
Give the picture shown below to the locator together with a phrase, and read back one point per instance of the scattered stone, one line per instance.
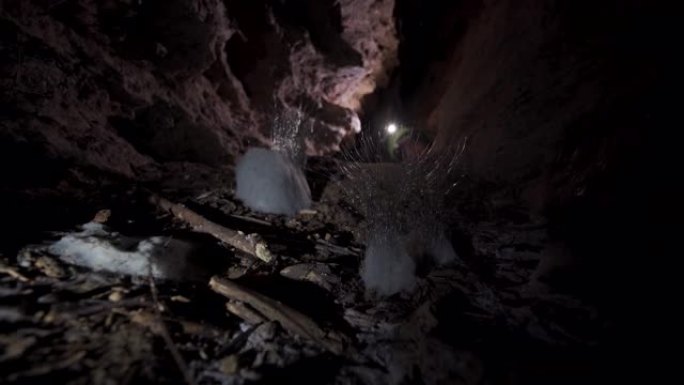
(317, 273)
(49, 267)
(229, 365)
(115, 296)
(102, 216)
(180, 298)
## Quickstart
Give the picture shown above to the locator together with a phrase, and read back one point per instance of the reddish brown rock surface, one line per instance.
(121, 85)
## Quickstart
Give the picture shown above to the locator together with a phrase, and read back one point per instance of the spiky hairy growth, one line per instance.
(287, 134)
(399, 195)
(403, 205)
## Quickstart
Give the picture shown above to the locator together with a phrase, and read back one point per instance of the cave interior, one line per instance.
(337, 191)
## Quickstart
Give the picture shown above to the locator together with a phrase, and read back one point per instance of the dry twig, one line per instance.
(251, 244)
(12, 273)
(292, 320)
(245, 312)
(167, 337)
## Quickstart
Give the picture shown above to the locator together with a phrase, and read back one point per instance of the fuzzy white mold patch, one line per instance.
(98, 249)
(270, 182)
(387, 267)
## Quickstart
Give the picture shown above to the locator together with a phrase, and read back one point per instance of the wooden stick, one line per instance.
(245, 312)
(251, 244)
(177, 357)
(290, 319)
(12, 273)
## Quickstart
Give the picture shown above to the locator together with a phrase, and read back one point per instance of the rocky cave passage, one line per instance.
(460, 192)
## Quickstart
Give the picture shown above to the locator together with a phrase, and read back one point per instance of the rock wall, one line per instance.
(550, 97)
(567, 110)
(120, 85)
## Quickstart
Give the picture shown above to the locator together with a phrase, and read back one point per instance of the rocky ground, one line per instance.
(304, 316)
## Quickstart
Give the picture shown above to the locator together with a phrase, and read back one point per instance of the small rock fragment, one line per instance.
(115, 296)
(229, 365)
(49, 267)
(102, 216)
(316, 273)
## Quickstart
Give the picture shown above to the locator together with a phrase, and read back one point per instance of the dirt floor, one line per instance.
(228, 317)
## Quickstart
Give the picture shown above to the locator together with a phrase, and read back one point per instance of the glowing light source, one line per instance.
(391, 128)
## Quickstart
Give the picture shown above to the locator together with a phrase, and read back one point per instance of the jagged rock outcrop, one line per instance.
(121, 85)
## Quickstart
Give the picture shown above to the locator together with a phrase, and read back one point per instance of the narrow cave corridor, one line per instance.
(337, 192)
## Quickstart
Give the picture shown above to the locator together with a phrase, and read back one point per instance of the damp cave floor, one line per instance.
(66, 324)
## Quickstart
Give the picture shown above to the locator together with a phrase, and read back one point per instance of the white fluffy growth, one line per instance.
(390, 260)
(97, 249)
(442, 251)
(270, 182)
(387, 267)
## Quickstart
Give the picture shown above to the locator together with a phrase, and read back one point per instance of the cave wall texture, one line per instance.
(120, 85)
(567, 111)
(565, 107)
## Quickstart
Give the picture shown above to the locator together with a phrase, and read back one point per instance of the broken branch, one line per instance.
(245, 312)
(182, 365)
(12, 273)
(290, 319)
(251, 244)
